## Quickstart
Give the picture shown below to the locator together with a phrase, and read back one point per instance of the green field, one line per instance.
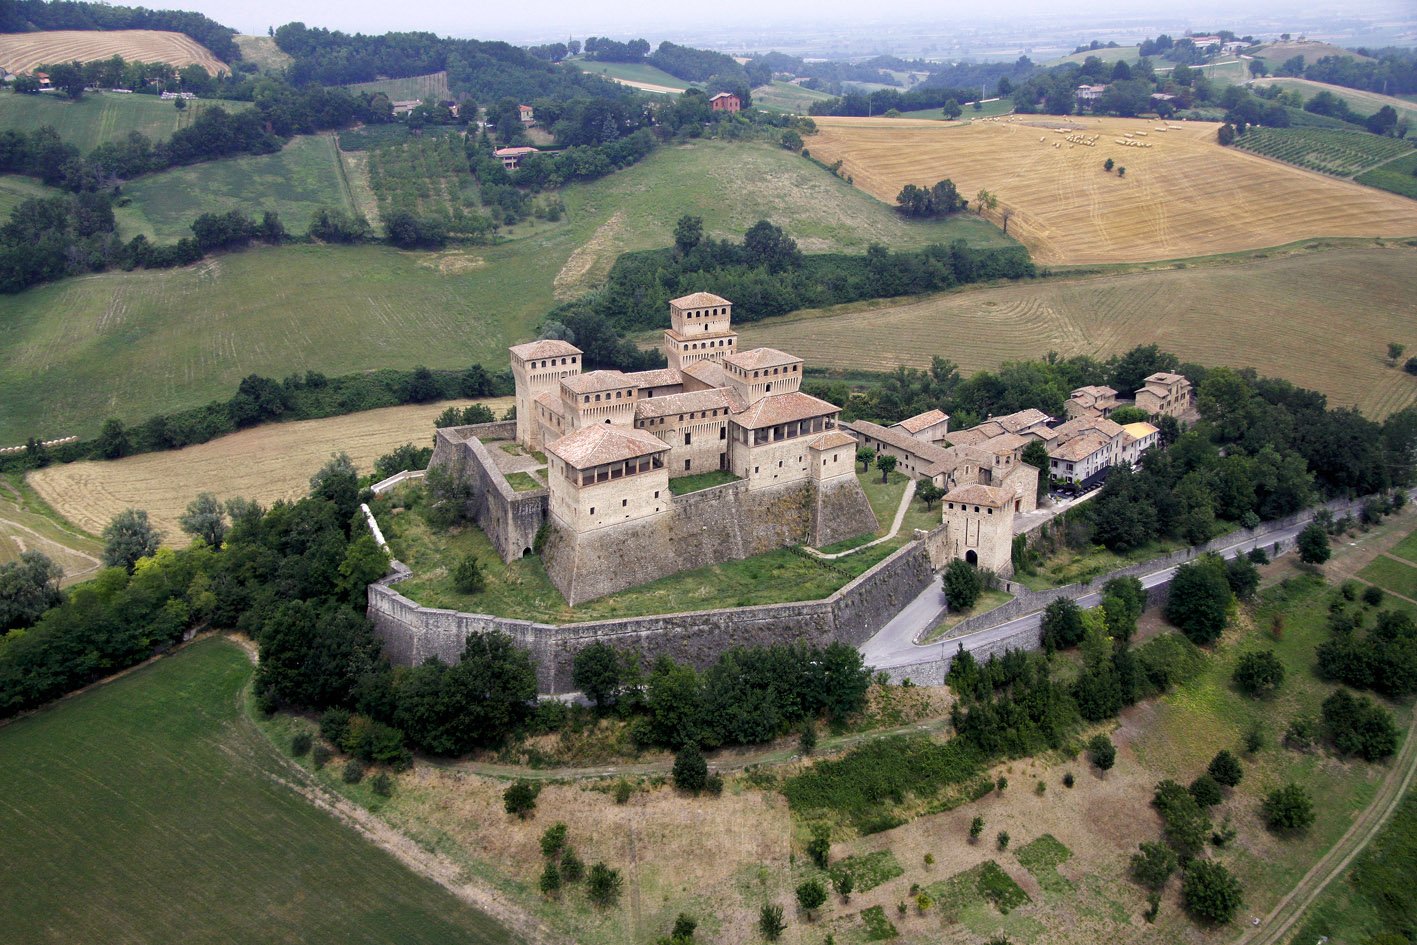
(430, 177)
(133, 344)
(1364, 103)
(15, 190)
(1407, 548)
(1398, 176)
(632, 72)
(433, 85)
(1128, 54)
(1341, 153)
(1002, 106)
(149, 811)
(1392, 575)
(295, 182)
(787, 97)
(98, 118)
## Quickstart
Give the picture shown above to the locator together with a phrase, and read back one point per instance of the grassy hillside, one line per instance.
(786, 97)
(15, 190)
(133, 344)
(418, 86)
(1398, 176)
(1364, 103)
(151, 813)
(632, 73)
(295, 182)
(1225, 314)
(263, 51)
(94, 119)
(1127, 54)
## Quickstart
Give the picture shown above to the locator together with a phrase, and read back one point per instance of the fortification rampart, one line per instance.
(510, 518)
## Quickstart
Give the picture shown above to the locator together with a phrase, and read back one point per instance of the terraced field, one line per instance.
(434, 85)
(103, 117)
(1184, 195)
(1328, 151)
(1292, 315)
(22, 52)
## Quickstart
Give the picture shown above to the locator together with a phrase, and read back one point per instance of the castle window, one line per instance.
(976, 508)
(723, 433)
(686, 464)
(688, 438)
(624, 503)
(755, 470)
(592, 510)
(656, 493)
(991, 511)
(952, 505)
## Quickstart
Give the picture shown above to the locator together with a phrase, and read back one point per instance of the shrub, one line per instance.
(1225, 769)
(808, 739)
(1313, 544)
(1288, 809)
(1186, 825)
(520, 798)
(1063, 625)
(1358, 726)
(623, 791)
(1373, 595)
(1068, 780)
(572, 869)
(550, 879)
(1259, 674)
(300, 744)
(810, 895)
(468, 577)
(1254, 739)
(770, 921)
(382, 785)
(690, 769)
(353, 771)
(334, 724)
(713, 785)
(819, 847)
(1206, 791)
(1210, 893)
(962, 585)
(1102, 752)
(976, 827)
(603, 885)
(1003, 839)
(321, 756)
(553, 840)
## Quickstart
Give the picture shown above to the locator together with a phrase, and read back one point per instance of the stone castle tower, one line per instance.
(701, 330)
(538, 368)
(979, 527)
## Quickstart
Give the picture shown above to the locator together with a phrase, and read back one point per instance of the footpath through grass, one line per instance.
(147, 811)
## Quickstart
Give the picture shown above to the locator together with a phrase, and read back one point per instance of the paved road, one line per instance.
(895, 644)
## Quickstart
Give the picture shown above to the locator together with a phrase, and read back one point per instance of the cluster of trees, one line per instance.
(610, 50)
(881, 101)
(699, 65)
(142, 78)
(22, 16)
(750, 695)
(1390, 71)
(923, 202)
(1383, 659)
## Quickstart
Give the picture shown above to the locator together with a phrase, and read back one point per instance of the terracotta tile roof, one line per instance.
(1021, 420)
(548, 348)
(1003, 443)
(550, 401)
(1095, 391)
(514, 152)
(757, 358)
(699, 300)
(660, 377)
(922, 421)
(783, 408)
(921, 449)
(1164, 377)
(974, 436)
(593, 381)
(708, 372)
(687, 402)
(602, 443)
(1103, 427)
(980, 495)
(833, 439)
(1078, 448)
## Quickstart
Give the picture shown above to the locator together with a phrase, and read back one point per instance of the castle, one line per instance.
(613, 441)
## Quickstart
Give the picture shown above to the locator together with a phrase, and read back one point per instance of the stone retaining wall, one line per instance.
(510, 518)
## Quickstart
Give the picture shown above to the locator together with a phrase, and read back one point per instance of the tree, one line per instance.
(28, 587)
(1002, 840)
(1210, 893)
(791, 140)
(864, 455)
(550, 879)
(688, 233)
(338, 481)
(810, 896)
(690, 769)
(844, 883)
(820, 846)
(1206, 790)
(1063, 625)
(984, 200)
(1108, 164)
(1243, 577)
(595, 671)
(962, 585)
(478, 701)
(1313, 544)
(1259, 673)
(468, 576)
(519, 798)
(886, 464)
(128, 537)
(1123, 600)
(603, 885)
(929, 493)
(1288, 809)
(205, 518)
(1102, 752)
(976, 827)
(1121, 171)
(364, 563)
(113, 442)
(1035, 454)
(1153, 866)
(1395, 350)
(553, 840)
(1199, 600)
(951, 109)
(770, 922)
(1225, 768)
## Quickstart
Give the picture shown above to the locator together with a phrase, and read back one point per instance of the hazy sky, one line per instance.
(550, 19)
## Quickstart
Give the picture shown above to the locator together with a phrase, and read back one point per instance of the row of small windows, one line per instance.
(618, 395)
(790, 369)
(965, 508)
(706, 312)
(720, 343)
(552, 362)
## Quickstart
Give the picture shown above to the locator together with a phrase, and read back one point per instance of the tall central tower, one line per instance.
(702, 330)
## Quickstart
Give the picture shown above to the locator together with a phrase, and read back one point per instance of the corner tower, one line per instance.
(538, 368)
(979, 527)
(701, 330)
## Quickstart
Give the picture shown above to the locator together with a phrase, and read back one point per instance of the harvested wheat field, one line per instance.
(22, 52)
(1182, 195)
(266, 463)
(1320, 318)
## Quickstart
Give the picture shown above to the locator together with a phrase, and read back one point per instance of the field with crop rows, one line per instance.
(1328, 151)
(434, 85)
(1183, 194)
(102, 117)
(296, 181)
(23, 52)
(428, 177)
(1319, 319)
(27, 523)
(1398, 176)
(270, 462)
(151, 811)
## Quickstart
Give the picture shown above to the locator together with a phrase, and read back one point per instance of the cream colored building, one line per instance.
(1165, 393)
(979, 526)
(1092, 401)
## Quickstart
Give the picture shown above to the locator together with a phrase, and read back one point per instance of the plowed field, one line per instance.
(22, 52)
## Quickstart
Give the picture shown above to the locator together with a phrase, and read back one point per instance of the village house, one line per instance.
(1085, 449)
(1091, 401)
(1089, 94)
(1165, 393)
(511, 158)
(931, 426)
(725, 102)
(526, 113)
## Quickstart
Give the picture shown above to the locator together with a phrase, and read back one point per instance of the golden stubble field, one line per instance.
(22, 52)
(266, 463)
(1185, 195)
(1320, 319)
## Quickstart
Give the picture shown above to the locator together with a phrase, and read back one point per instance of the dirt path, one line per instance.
(1285, 916)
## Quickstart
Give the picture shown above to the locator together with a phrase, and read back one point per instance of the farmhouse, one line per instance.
(511, 157)
(1165, 393)
(527, 114)
(1088, 94)
(725, 102)
(404, 106)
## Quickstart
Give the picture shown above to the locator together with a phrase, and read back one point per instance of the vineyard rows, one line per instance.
(1328, 151)
(429, 177)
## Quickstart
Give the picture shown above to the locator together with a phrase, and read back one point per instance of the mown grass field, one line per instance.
(1364, 103)
(266, 463)
(134, 344)
(434, 85)
(263, 51)
(1398, 176)
(638, 74)
(295, 182)
(15, 190)
(22, 52)
(1328, 151)
(99, 118)
(1292, 314)
(787, 97)
(150, 811)
(1185, 195)
(1275, 54)
(28, 523)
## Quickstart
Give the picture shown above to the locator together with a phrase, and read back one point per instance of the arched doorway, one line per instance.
(971, 558)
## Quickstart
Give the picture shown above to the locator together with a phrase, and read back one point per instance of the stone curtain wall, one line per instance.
(412, 634)
(510, 518)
